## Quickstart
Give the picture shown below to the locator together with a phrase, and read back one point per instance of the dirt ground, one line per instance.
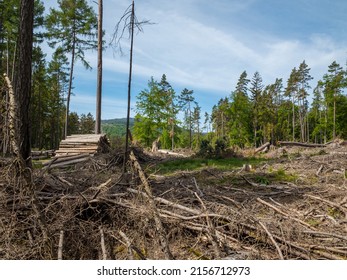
(291, 206)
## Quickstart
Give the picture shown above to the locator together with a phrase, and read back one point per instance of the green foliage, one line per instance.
(156, 114)
(192, 164)
(72, 27)
(87, 123)
(281, 175)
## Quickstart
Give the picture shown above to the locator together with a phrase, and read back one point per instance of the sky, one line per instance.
(205, 45)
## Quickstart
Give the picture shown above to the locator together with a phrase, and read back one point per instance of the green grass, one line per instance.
(192, 164)
(281, 175)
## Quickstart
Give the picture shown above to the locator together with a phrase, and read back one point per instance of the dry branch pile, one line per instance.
(95, 212)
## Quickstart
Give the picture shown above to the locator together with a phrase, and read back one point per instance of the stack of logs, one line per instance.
(78, 148)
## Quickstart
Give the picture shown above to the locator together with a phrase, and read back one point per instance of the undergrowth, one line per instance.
(193, 164)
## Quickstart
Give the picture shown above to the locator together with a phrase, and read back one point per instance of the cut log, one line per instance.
(307, 145)
(262, 148)
(83, 144)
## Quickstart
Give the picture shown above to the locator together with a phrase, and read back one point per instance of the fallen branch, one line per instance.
(272, 240)
(159, 226)
(211, 230)
(333, 204)
(102, 241)
(60, 246)
(262, 148)
(284, 214)
(307, 145)
(128, 244)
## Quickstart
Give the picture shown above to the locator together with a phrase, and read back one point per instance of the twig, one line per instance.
(284, 214)
(321, 233)
(197, 187)
(159, 226)
(102, 241)
(211, 230)
(128, 244)
(272, 240)
(60, 246)
(342, 209)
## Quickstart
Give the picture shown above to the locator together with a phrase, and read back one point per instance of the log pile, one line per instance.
(83, 144)
(78, 148)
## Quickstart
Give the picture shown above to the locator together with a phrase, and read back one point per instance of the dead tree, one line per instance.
(128, 21)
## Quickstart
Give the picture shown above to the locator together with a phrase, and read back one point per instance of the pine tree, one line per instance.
(303, 83)
(185, 103)
(291, 91)
(72, 27)
(22, 81)
(334, 82)
(256, 99)
(240, 113)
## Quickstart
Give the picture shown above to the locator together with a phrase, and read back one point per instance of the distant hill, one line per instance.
(116, 127)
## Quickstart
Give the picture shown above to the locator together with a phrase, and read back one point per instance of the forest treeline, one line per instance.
(70, 30)
(252, 114)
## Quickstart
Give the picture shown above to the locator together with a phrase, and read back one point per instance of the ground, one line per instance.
(291, 204)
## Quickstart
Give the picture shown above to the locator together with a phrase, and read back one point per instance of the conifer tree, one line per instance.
(73, 28)
(256, 98)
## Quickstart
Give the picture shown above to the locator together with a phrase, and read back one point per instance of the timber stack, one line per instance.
(83, 144)
(78, 148)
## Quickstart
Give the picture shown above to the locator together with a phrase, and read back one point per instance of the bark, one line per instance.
(22, 84)
(70, 87)
(132, 23)
(99, 77)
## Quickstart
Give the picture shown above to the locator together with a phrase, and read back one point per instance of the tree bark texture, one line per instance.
(99, 76)
(22, 83)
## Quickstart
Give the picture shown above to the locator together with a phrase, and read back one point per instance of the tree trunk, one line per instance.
(293, 120)
(22, 85)
(99, 78)
(334, 120)
(126, 152)
(70, 85)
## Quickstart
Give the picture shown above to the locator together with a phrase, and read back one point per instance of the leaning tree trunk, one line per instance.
(22, 80)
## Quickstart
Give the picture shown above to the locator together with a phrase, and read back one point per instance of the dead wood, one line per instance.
(272, 240)
(284, 214)
(262, 148)
(299, 144)
(211, 230)
(159, 226)
(60, 245)
(331, 203)
(102, 243)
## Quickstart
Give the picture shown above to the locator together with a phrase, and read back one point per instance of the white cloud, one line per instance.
(206, 45)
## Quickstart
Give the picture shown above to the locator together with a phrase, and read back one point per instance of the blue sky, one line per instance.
(205, 45)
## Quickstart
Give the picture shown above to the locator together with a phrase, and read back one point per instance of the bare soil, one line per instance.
(293, 206)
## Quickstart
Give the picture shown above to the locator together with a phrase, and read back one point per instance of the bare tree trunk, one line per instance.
(334, 120)
(22, 85)
(293, 120)
(126, 152)
(69, 90)
(99, 78)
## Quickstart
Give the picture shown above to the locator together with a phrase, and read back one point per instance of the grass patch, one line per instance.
(192, 164)
(281, 175)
